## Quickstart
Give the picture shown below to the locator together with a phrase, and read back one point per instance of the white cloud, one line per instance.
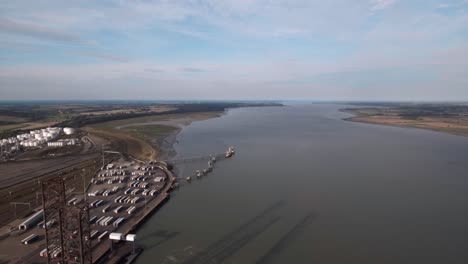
(262, 32)
(381, 4)
(103, 56)
(287, 32)
(37, 31)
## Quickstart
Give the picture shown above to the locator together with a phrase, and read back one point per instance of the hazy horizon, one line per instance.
(366, 50)
(58, 101)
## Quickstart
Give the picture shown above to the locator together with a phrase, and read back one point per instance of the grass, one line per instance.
(12, 122)
(146, 131)
(153, 118)
(126, 143)
(23, 123)
(13, 119)
(12, 127)
(138, 139)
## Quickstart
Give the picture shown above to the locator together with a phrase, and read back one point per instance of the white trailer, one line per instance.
(101, 236)
(94, 233)
(28, 240)
(71, 201)
(104, 210)
(117, 210)
(92, 219)
(131, 210)
(32, 221)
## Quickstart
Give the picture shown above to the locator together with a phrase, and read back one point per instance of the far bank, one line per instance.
(447, 118)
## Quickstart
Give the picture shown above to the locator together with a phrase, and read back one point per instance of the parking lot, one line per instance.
(118, 196)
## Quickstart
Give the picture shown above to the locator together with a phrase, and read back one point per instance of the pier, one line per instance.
(219, 156)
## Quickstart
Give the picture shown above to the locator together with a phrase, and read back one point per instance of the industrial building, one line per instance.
(37, 139)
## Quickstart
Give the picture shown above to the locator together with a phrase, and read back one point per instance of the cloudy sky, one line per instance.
(234, 49)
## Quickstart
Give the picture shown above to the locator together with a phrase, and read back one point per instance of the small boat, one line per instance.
(229, 152)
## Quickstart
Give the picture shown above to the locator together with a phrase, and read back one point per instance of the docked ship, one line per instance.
(229, 152)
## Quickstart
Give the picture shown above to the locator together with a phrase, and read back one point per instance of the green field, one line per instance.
(150, 130)
(12, 127)
(141, 136)
(111, 125)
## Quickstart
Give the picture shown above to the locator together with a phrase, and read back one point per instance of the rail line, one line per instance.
(27, 176)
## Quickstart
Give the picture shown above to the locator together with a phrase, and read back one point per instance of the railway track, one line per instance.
(52, 167)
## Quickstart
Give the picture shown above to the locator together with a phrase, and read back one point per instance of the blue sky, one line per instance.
(234, 49)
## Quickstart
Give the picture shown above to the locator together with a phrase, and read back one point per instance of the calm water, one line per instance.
(308, 187)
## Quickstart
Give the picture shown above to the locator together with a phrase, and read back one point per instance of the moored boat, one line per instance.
(229, 152)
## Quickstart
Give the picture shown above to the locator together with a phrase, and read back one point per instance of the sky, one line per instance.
(376, 50)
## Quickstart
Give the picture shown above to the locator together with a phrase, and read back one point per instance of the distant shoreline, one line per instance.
(395, 116)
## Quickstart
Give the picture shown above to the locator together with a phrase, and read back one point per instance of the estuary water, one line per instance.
(306, 186)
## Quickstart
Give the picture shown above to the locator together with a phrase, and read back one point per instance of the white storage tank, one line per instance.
(69, 130)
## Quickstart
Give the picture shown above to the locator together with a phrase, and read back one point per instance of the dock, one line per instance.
(219, 156)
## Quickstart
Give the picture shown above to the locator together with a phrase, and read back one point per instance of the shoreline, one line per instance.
(397, 121)
(151, 137)
(164, 153)
(164, 145)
